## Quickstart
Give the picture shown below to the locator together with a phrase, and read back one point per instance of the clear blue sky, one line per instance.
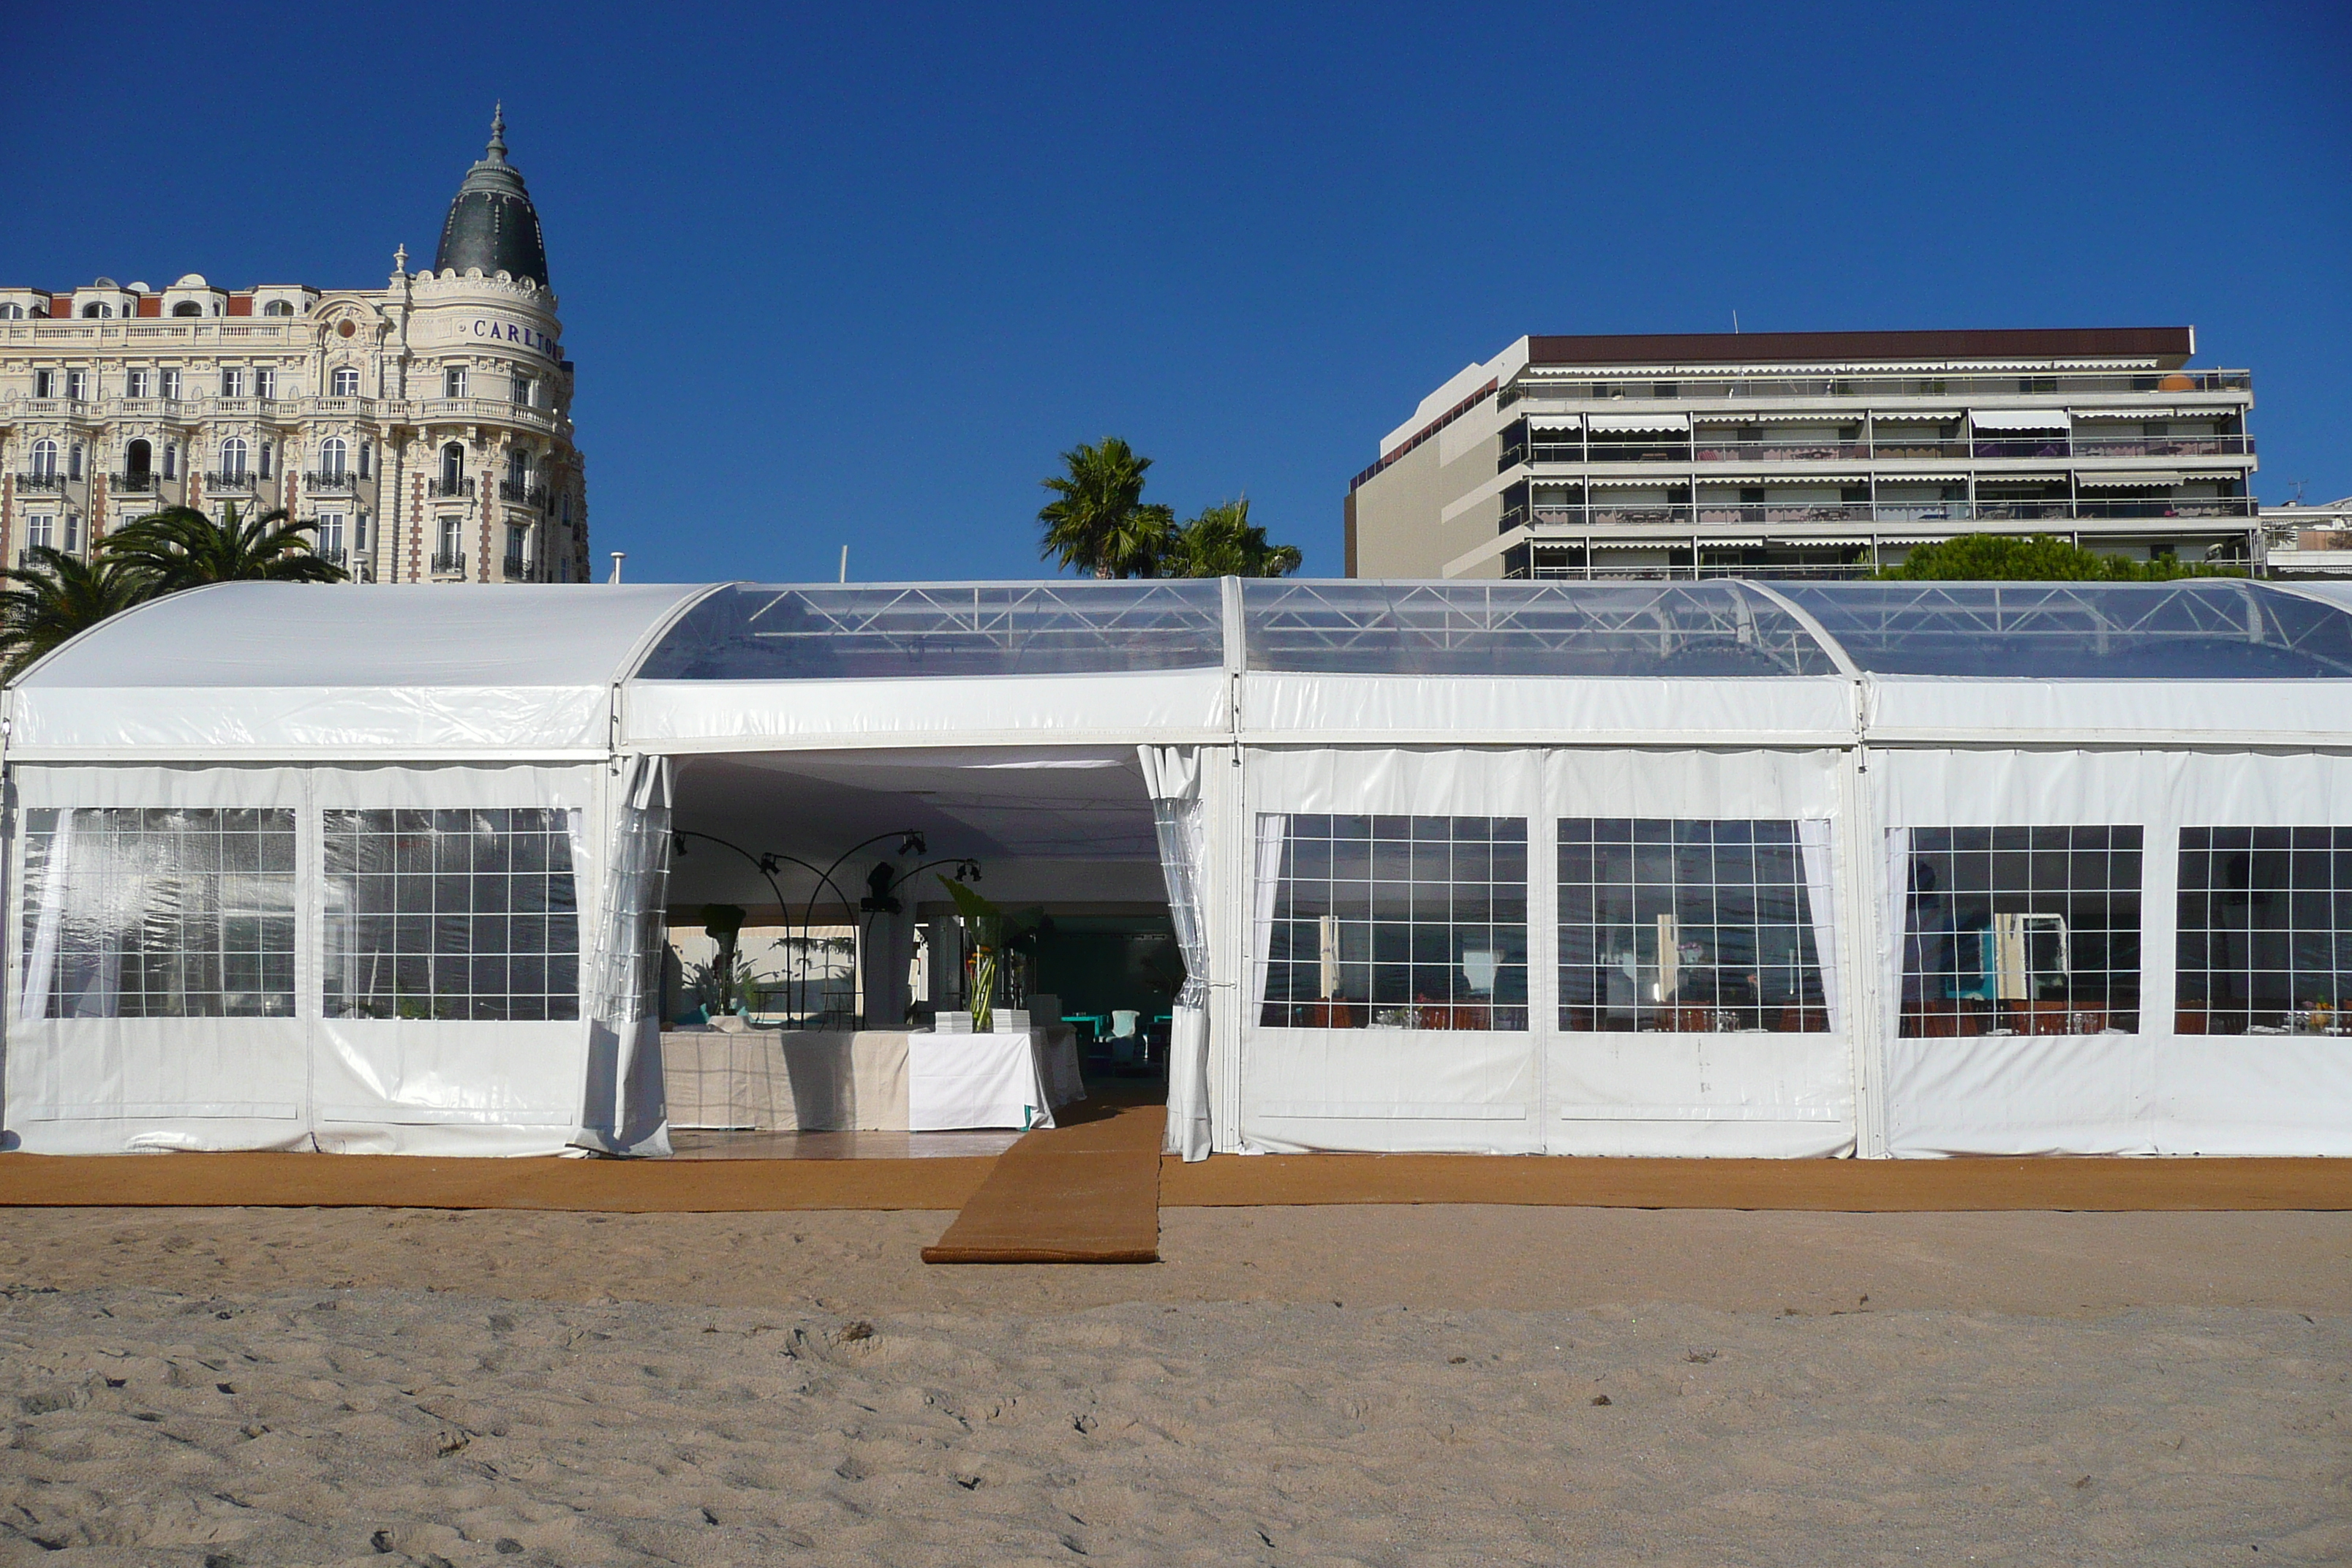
(857, 274)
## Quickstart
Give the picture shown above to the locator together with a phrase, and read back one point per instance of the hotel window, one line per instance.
(278, 308)
(45, 383)
(172, 385)
(268, 450)
(264, 385)
(138, 384)
(525, 391)
(451, 554)
(360, 534)
(232, 458)
(1393, 923)
(12, 312)
(44, 459)
(1693, 927)
(232, 382)
(331, 535)
(453, 382)
(158, 913)
(367, 453)
(98, 308)
(518, 549)
(2265, 933)
(345, 383)
(78, 384)
(334, 457)
(40, 532)
(453, 467)
(171, 459)
(457, 915)
(2021, 931)
(73, 461)
(187, 308)
(73, 533)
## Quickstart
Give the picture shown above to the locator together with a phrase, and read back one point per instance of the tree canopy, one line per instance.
(1098, 521)
(2042, 558)
(54, 597)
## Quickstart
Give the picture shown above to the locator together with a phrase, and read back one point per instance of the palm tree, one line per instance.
(1222, 542)
(180, 547)
(1100, 522)
(54, 596)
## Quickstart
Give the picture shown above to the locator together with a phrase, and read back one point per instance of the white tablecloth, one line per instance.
(875, 1080)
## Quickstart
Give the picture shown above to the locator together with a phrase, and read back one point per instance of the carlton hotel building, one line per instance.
(426, 425)
(1809, 454)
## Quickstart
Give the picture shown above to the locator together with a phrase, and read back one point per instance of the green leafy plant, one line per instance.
(180, 547)
(54, 596)
(1222, 542)
(985, 924)
(2042, 558)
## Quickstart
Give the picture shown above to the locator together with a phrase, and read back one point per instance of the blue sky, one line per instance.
(857, 275)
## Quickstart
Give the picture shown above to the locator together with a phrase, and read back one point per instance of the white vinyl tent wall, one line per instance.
(1853, 716)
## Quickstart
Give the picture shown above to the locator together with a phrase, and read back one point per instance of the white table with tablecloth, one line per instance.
(869, 1080)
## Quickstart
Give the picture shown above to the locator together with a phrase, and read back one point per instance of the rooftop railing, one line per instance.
(1700, 516)
(1672, 449)
(1585, 385)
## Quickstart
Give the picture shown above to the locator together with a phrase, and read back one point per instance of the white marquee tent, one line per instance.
(1723, 868)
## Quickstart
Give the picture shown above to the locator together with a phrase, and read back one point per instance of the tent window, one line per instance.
(1400, 922)
(2027, 931)
(2265, 931)
(1687, 927)
(451, 915)
(152, 913)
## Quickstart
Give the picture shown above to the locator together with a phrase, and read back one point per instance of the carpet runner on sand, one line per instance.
(1085, 1192)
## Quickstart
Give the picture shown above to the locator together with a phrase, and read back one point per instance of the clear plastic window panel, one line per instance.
(158, 913)
(2265, 931)
(2211, 630)
(1687, 927)
(451, 915)
(1688, 629)
(1398, 922)
(863, 631)
(2022, 931)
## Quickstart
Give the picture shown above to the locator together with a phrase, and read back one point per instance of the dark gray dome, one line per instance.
(492, 224)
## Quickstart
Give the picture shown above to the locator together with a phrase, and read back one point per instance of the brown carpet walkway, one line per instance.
(1085, 1192)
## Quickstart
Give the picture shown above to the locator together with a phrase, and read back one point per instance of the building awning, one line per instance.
(1916, 415)
(1798, 479)
(2152, 479)
(2020, 418)
(1555, 421)
(1653, 483)
(2123, 412)
(1706, 539)
(1886, 477)
(1639, 421)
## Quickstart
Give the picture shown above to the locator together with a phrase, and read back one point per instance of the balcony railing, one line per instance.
(140, 483)
(340, 481)
(1584, 387)
(447, 488)
(241, 480)
(37, 482)
(332, 554)
(1701, 516)
(1667, 449)
(447, 562)
(523, 492)
(515, 568)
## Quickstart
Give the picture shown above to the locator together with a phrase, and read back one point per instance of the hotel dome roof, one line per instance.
(492, 225)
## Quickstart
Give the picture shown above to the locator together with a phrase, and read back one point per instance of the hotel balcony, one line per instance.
(515, 568)
(1700, 516)
(342, 481)
(242, 482)
(40, 482)
(142, 483)
(448, 564)
(523, 492)
(1583, 385)
(441, 488)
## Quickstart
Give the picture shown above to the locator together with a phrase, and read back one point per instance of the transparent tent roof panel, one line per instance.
(2209, 630)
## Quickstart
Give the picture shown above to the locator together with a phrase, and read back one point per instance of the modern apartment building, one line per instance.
(1807, 454)
(426, 425)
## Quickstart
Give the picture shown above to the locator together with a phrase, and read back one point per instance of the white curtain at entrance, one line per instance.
(1813, 842)
(41, 948)
(1172, 776)
(623, 1110)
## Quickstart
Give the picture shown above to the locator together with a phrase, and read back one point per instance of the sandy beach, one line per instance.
(1430, 1385)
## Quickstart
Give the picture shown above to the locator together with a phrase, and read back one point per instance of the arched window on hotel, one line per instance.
(334, 458)
(171, 459)
(44, 459)
(453, 467)
(97, 309)
(187, 308)
(367, 455)
(265, 454)
(73, 461)
(12, 312)
(137, 460)
(279, 308)
(232, 458)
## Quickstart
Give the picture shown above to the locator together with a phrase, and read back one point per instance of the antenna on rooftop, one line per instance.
(2298, 485)
(845, 564)
(1735, 322)
(618, 556)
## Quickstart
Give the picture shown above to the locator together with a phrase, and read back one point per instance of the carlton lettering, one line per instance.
(531, 338)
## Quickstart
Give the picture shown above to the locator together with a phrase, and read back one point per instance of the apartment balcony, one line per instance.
(515, 569)
(1616, 391)
(2056, 447)
(444, 488)
(523, 492)
(37, 483)
(142, 483)
(448, 564)
(241, 482)
(1701, 516)
(341, 481)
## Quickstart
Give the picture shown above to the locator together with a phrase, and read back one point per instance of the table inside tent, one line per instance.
(869, 1080)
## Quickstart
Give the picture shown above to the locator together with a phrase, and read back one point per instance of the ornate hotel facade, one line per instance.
(426, 426)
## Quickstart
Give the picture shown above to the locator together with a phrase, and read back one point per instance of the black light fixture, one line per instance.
(967, 871)
(912, 842)
(678, 845)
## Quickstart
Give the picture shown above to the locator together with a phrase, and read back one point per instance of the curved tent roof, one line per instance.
(256, 670)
